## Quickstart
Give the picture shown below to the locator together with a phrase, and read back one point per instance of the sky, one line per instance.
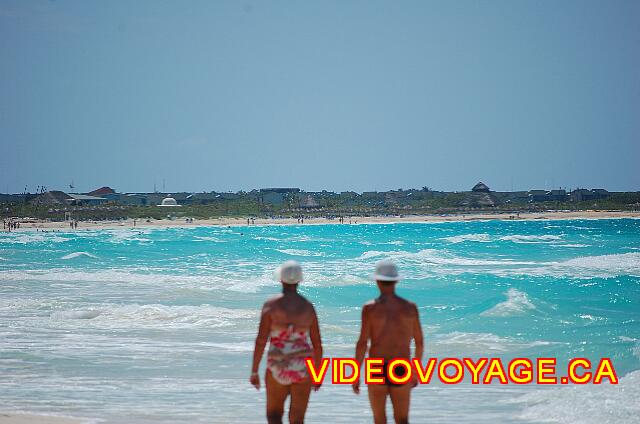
(337, 95)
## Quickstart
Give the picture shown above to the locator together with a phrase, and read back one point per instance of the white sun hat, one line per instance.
(290, 272)
(386, 271)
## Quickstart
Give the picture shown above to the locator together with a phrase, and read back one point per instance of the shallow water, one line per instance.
(157, 325)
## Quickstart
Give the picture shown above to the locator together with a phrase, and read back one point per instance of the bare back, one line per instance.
(290, 309)
(391, 325)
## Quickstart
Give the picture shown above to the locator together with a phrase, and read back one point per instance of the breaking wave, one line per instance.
(30, 237)
(230, 281)
(531, 239)
(76, 314)
(515, 238)
(158, 316)
(437, 257)
(585, 404)
(517, 303)
(431, 261)
(79, 255)
(602, 266)
(299, 252)
(464, 343)
(481, 238)
(208, 238)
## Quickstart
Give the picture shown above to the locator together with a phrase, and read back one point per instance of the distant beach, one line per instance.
(30, 224)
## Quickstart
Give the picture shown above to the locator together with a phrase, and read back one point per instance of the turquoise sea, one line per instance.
(157, 325)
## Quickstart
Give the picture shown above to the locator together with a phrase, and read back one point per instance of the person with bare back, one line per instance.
(389, 323)
(290, 323)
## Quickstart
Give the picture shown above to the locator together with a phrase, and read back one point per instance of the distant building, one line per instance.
(129, 199)
(102, 192)
(277, 196)
(204, 198)
(513, 196)
(168, 202)
(83, 199)
(558, 195)
(480, 188)
(480, 197)
(582, 194)
(600, 193)
(538, 195)
(228, 196)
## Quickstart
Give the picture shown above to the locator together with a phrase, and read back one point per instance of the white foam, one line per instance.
(223, 280)
(585, 267)
(531, 239)
(208, 238)
(299, 252)
(464, 343)
(480, 238)
(585, 404)
(76, 314)
(189, 316)
(79, 255)
(30, 237)
(316, 279)
(602, 266)
(437, 257)
(124, 235)
(158, 316)
(517, 303)
(266, 238)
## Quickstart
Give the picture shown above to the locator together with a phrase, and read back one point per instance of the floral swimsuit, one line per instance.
(287, 352)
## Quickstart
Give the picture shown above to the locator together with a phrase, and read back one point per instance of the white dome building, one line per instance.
(169, 202)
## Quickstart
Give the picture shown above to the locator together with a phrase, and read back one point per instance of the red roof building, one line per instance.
(102, 191)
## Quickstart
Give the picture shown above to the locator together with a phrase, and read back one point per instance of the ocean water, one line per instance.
(157, 325)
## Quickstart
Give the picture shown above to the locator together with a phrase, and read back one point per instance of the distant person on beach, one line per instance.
(289, 321)
(389, 323)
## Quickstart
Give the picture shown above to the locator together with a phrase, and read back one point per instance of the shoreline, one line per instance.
(19, 418)
(37, 225)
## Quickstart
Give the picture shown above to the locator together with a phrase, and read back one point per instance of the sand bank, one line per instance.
(140, 223)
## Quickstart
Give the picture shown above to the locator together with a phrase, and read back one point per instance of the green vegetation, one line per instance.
(407, 202)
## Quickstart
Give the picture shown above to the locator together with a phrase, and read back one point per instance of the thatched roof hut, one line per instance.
(480, 188)
(480, 197)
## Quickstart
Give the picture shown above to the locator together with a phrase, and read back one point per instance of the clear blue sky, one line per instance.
(344, 95)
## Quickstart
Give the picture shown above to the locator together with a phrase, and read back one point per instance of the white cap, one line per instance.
(386, 271)
(290, 272)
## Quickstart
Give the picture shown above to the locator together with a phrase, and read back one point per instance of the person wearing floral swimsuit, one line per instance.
(289, 322)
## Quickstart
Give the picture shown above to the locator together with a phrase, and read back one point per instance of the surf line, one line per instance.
(452, 371)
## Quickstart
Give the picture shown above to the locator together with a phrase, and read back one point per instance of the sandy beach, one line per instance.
(30, 225)
(36, 419)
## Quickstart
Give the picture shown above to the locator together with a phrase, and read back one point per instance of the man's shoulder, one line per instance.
(370, 306)
(407, 304)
